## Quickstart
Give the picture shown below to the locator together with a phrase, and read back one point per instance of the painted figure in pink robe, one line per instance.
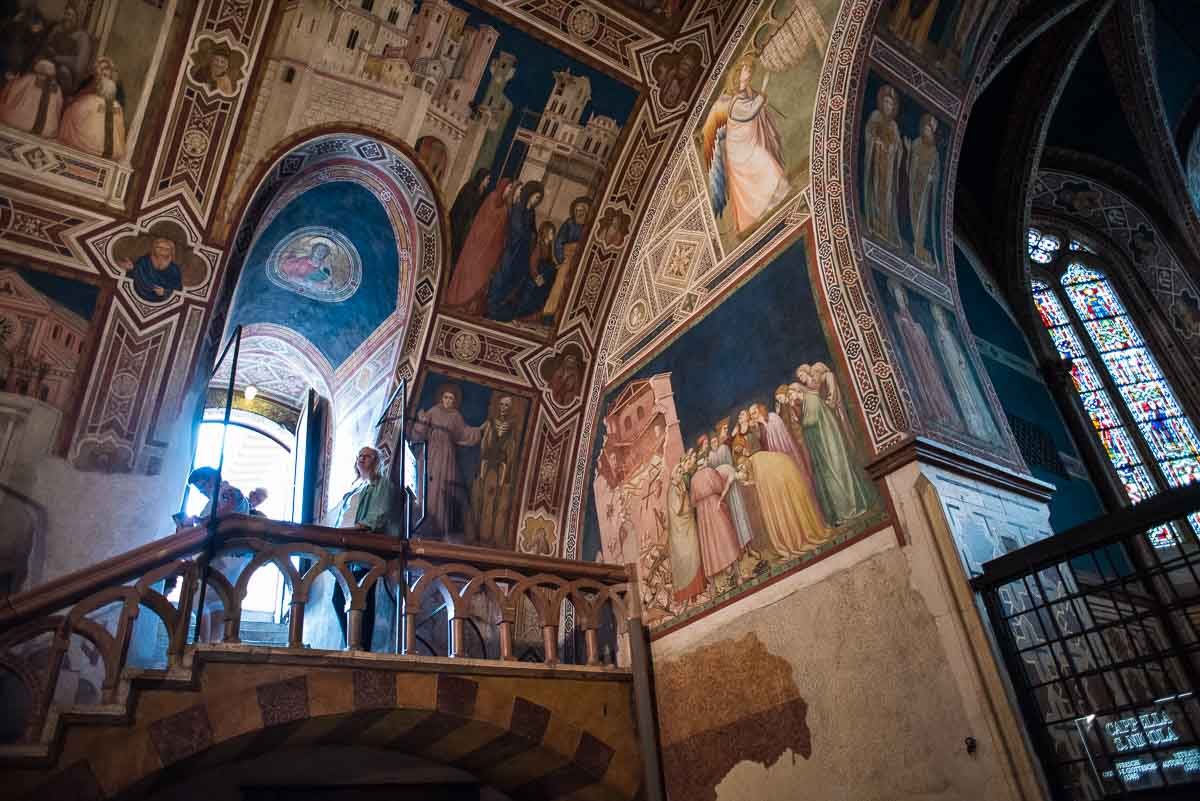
(744, 151)
(928, 386)
(481, 252)
(719, 544)
(443, 430)
(94, 121)
(33, 102)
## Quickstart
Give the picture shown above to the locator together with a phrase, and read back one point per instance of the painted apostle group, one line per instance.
(505, 262)
(55, 86)
(765, 486)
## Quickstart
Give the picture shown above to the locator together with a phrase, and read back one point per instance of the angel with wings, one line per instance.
(743, 150)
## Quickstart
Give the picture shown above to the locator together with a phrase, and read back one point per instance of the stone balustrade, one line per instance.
(69, 644)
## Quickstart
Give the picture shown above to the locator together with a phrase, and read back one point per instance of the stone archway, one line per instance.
(392, 174)
(527, 737)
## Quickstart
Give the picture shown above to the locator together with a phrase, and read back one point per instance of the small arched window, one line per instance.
(1150, 441)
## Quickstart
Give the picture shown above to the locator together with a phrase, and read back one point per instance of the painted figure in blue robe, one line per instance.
(518, 252)
(566, 252)
(156, 275)
(535, 287)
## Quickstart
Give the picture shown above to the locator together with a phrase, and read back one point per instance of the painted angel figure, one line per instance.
(743, 150)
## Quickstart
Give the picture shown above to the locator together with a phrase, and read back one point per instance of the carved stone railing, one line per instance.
(74, 642)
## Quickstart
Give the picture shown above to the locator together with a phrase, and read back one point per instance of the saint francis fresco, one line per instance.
(473, 436)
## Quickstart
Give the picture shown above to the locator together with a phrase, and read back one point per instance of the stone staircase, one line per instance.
(95, 726)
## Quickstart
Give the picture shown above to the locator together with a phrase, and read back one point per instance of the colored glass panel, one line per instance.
(1166, 432)
(1065, 342)
(1078, 274)
(1100, 409)
(1084, 376)
(1113, 333)
(1042, 247)
(1053, 314)
(1171, 439)
(1150, 401)
(1094, 301)
(1138, 484)
(1182, 471)
(1162, 537)
(1120, 448)
(1131, 366)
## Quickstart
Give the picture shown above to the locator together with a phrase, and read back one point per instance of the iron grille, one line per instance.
(1100, 631)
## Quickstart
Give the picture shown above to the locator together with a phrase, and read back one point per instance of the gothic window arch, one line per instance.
(1143, 427)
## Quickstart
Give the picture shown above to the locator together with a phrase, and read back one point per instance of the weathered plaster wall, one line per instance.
(860, 677)
(860, 706)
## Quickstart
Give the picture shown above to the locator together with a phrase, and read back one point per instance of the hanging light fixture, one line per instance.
(250, 392)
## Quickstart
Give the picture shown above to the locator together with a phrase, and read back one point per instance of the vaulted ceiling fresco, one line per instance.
(606, 175)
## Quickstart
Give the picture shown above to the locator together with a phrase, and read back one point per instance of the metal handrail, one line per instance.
(234, 341)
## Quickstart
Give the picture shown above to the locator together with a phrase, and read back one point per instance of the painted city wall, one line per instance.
(733, 456)
(518, 137)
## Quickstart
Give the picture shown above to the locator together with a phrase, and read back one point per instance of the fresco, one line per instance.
(521, 188)
(474, 437)
(902, 163)
(316, 262)
(159, 263)
(217, 67)
(754, 141)
(730, 459)
(45, 333)
(944, 32)
(943, 380)
(333, 284)
(78, 72)
(657, 11)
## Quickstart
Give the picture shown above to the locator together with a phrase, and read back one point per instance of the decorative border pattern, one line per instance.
(46, 162)
(33, 225)
(915, 78)
(1157, 268)
(198, 136)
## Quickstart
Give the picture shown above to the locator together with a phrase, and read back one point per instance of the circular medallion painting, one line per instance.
(316, 262)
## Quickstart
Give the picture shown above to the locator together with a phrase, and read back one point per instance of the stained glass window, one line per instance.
(1042, 247)
(1077, 245)
(1148, 412)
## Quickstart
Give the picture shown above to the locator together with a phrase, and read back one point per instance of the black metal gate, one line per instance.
(1100, 632)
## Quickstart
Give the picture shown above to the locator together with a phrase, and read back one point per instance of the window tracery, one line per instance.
(1150, 442)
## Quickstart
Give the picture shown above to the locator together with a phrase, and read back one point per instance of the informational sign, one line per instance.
(1147, 738)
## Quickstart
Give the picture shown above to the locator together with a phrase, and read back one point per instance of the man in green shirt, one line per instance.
(366, 507)
(368, 504)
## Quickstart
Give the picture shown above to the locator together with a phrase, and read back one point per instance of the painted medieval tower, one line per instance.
(413, 72)
(642, 445)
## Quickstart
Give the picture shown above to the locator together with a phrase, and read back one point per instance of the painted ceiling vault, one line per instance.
(537, 198)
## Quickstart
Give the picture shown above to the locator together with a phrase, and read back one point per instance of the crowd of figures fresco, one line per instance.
(727, 460)
(942, 378)
(474, 437)
(903, 172)
(754, 141)
(72, 74)
(944, 33)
